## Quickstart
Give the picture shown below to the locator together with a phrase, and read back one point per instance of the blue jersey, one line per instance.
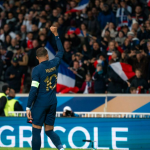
(44, 80)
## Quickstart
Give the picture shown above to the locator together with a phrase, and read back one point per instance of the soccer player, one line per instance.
(42, 102)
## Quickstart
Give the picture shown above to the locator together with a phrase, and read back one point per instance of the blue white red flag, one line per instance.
(82, 4)
(76, 31)
(123, 70)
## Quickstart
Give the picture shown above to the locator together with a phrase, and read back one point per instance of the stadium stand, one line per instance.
(107, 44)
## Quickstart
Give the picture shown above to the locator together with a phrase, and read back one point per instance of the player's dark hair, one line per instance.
(41, 52)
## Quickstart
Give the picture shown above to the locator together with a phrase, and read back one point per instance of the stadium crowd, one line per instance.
(110, 31)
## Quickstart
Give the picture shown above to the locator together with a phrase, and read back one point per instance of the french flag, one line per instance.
(82, 4)
(97, 62)
(123, 70)
(66, 78)
(77, 31)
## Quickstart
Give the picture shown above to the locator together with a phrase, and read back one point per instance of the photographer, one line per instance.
(67, 112)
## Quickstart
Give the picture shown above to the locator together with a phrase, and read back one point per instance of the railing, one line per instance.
(92, 114)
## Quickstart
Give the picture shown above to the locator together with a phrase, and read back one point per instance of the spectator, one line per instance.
(68, 52)
(28, 22)
(88, 85)
(18, 39)
(75, 41)
(79, 74)
(62, 28)
(11, 21)
(6, 57)
(19, 22)
(7, 31)
(138, 60)
(139, 16)
(54, 16)
(99, 80)
(105, 16)
(94, 12)
(88, 66)
(115, 57)
(35, 31)
(47, 9)
(139, 83)
(115, 5)
(22, 59)
(13, 75)
(11, 48)
(12, 102)
(134, 41)
(42, 40)
(3, 99)
(2, 20)
(96, 50)
(42, 22)
(115, 83)
(28, 43)
(7, 42)
(109, 27)
(123, 14)
(92, 24)
(121, 38)
(97, 4)
(23, 32)
(66, 20)
(32, 54)
(133, 90)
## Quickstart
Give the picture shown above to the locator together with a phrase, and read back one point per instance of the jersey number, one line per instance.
(49, 83)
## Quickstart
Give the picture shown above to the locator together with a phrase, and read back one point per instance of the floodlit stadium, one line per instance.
(74, 74)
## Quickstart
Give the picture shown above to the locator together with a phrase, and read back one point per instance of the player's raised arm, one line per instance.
(60, 52)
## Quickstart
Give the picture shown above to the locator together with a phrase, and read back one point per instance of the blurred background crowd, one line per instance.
(110, 31)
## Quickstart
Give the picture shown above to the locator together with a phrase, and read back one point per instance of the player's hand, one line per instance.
(54, 30)
(28, 112)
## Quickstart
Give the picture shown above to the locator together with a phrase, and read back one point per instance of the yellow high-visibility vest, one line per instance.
(10, 106)
(2, 94)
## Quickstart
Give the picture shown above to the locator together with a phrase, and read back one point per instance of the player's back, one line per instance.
(47, 72)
